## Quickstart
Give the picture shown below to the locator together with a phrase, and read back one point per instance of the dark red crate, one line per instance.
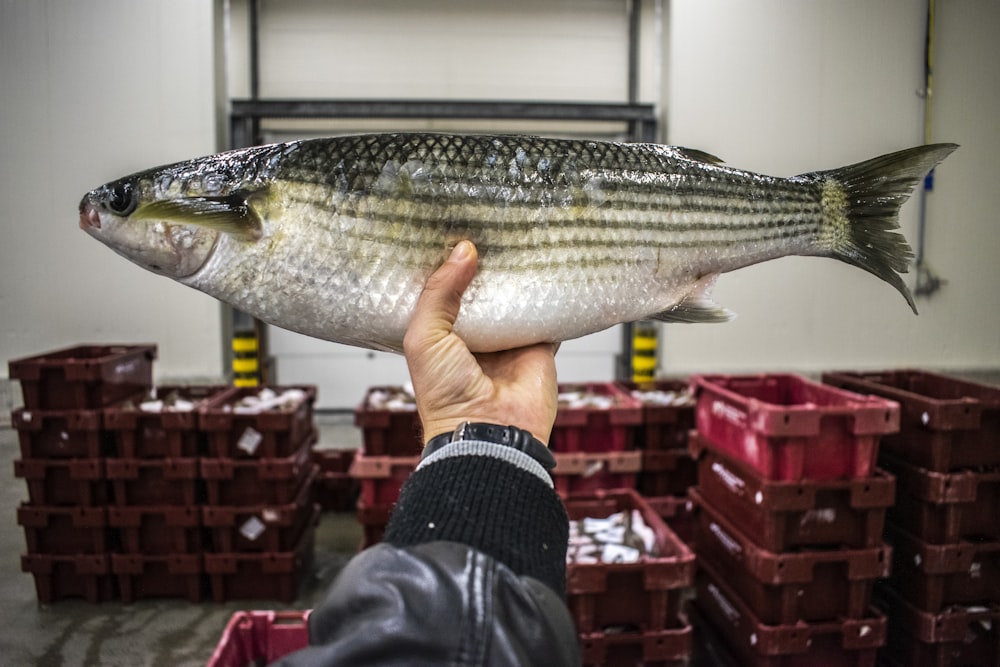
(168, 433)
(65, 530)
(154, 482)
(387, 432)
(597, 429)
(956, 637)
(335, 489)
(582, 472)
(667, 472)
(272, 433)
(787, 427)
(782, 588)
(256, 481)
(664, 426)
(262, 576)
(64, 481)
(157, 530)
(643, 596)
(381, 477)
(60, 577)
(942, 508)
(60, 434)
(677, 512)
(85, 377)
(934, 576)
(260, 527)
(780, 516)
(373, 520)
(260, 638)
(946, 423)
(656, 648)
(141, 576)
(838, 643)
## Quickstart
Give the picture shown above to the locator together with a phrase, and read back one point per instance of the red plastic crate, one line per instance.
(956, 637)
(154, 482)
(271, 433)
(935, 576)
(260, 527)
(388, 432)
(373, 521)
(63, 481)
(663, 426)
(335, 489)
(643, 596)
(782, 588)
(65, 530)
(262, 576)
(668, 472)
(780, 516)
(584, 472)
(157, 530)
(256, 481)
(788, 428)
(60, 577)
(838, 643)
(85, 377)
(141, 576)
(260, 638)
(678, 513)
(60, 434)
(942, 508)
(946, 423)
(596, 429)
(381, 477)
(656, 648)
(167, 433)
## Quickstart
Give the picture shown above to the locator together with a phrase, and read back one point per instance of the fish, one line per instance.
(335, 237)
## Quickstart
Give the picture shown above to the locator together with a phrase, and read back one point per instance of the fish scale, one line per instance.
(336, 237)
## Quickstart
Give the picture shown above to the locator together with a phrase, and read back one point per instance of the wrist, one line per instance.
(509, 436)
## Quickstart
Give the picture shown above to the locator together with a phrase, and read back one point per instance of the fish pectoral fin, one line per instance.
(232, 214)
(697, 307)
(697, 155)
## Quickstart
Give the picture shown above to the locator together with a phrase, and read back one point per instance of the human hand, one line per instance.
(452, 385)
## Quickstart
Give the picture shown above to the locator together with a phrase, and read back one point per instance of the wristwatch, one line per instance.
(510, 436)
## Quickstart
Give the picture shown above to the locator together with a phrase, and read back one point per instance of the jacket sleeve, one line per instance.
(472, 571)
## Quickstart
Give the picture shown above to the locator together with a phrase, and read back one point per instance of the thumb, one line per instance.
(439, 303)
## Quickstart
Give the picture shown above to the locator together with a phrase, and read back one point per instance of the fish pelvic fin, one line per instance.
(697, 307)
(861, 205)
(232, 214)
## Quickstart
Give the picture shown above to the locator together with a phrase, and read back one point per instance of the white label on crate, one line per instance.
(976, 570)
(734, 483)
(820, 515)
(729, 413)
(250, 440)
(126, 367)
(252, 528)
(271, 515)
(725, 605)
(731, 545)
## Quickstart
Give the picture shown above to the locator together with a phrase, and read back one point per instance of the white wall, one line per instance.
(785, 87)
(93, 91)
(98, 89)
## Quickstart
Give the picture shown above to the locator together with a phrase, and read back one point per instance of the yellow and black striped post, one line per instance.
(246, 363)
(644, 342)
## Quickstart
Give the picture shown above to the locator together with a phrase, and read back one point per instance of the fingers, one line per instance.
(438, 306)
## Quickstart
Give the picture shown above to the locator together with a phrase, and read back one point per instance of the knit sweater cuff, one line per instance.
(478, 496)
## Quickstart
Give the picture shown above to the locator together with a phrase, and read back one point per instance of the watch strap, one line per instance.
(510, 436)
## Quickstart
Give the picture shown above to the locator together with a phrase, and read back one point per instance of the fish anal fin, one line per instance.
(697, 307)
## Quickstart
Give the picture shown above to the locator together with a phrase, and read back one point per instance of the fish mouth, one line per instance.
(90, 219)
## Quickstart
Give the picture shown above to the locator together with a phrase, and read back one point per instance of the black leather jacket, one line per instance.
(471, 572)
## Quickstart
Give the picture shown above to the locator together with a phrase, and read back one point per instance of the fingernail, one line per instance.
(461, 252)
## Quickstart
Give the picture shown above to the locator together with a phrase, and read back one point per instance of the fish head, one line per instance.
(169, 219)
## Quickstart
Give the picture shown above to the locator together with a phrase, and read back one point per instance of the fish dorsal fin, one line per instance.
(232, 214)
(697, 307)
(696, 155)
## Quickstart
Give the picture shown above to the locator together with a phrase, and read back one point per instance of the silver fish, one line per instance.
(335, 238)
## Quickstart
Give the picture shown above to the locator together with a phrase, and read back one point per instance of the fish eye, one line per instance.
(122, 199)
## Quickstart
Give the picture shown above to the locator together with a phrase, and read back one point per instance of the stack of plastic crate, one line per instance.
(152, 469)
(943, 600)
(791, 510)
(258, 474)
(63, 453)
(668, 469)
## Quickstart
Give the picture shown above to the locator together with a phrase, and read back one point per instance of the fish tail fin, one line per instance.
(861, 205)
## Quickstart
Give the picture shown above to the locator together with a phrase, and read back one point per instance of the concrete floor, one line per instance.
(149, 633)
